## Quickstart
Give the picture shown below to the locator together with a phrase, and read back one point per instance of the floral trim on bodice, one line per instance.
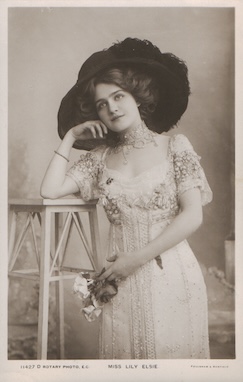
(147, 194)
(157, 189)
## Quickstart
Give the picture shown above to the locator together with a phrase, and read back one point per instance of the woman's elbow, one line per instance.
(48, 194)
(197, 220)
(193, 218)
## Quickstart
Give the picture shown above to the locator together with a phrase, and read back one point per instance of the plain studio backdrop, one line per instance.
(46, 49)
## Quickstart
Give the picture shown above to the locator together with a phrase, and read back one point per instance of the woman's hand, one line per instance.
(123, 264)
(89, 130)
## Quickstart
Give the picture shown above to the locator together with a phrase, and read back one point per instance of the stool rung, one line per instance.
(24, 275)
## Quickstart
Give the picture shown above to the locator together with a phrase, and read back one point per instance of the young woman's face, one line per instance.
(116, 108)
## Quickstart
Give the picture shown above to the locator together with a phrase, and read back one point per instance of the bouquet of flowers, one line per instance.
(93, 293)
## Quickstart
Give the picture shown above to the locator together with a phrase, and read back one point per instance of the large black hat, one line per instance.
(170, 73)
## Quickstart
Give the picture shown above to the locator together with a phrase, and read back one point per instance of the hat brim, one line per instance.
(69, 116)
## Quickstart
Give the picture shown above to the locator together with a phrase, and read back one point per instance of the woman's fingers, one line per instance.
(118, 269)
(105, 275)
(105, 129)
(99, 130)
(112, 258)
(90, 129)
(111, 277)
(93, 131)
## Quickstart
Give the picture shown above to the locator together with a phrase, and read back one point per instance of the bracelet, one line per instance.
(56, 152)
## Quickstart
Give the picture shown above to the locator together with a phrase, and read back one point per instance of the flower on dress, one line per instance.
(93, 294)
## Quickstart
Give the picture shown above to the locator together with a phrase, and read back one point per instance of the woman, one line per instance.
(152, 188)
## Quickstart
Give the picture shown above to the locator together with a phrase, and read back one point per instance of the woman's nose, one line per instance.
(112, 107)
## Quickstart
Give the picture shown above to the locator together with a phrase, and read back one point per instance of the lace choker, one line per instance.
(137, 138)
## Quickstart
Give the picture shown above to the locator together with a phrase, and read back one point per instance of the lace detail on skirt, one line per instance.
(142, 330)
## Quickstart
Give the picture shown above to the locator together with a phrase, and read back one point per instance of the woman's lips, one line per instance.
(116, 117)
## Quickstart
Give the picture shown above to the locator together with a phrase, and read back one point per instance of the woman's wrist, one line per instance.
(145, 254)
(65, 146)
(138, 258)
(70, 136)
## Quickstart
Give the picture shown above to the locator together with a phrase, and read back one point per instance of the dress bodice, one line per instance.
(152, 191)
(156, 190)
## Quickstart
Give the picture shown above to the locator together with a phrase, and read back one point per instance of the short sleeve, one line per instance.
(188, 170)
(85, 172)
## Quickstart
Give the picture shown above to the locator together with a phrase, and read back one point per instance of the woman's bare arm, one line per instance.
(55, 183)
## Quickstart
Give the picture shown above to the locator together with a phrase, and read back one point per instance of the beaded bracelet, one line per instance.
(56, 152)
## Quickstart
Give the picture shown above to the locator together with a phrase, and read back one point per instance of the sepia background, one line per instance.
(46, 48)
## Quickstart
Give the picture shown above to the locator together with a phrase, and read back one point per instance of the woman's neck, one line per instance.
(137, 137)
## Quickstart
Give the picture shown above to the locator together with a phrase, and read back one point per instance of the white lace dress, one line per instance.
(157, 313)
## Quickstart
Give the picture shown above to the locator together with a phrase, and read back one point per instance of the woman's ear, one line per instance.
(138, 104)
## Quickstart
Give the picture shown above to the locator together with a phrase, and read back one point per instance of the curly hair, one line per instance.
(140, 85)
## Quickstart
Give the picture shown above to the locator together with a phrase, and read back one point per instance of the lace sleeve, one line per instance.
(188, 171)
(85, 173)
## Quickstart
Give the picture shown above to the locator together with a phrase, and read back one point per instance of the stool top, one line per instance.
(50, 202)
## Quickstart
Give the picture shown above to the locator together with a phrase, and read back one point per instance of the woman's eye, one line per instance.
(101, 105)
(118, 96)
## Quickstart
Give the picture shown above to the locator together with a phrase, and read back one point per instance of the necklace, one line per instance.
(137, 138)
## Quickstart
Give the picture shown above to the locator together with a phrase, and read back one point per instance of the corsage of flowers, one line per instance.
(93, 293)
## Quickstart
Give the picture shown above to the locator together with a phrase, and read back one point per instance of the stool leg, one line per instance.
(95, 237)
(19, 242)
(59, 296)
(61, 318)
(44, 285)
(12, 232)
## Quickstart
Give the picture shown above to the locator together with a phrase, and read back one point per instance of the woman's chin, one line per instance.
(119, 125)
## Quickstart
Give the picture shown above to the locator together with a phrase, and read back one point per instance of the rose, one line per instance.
(92, 310)
(91, 313)
(106, 292)
(93, 293)
(81, 286)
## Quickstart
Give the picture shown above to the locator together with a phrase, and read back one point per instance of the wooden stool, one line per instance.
(54, 236)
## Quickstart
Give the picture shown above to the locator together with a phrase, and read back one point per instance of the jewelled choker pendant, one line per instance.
(137, 138)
